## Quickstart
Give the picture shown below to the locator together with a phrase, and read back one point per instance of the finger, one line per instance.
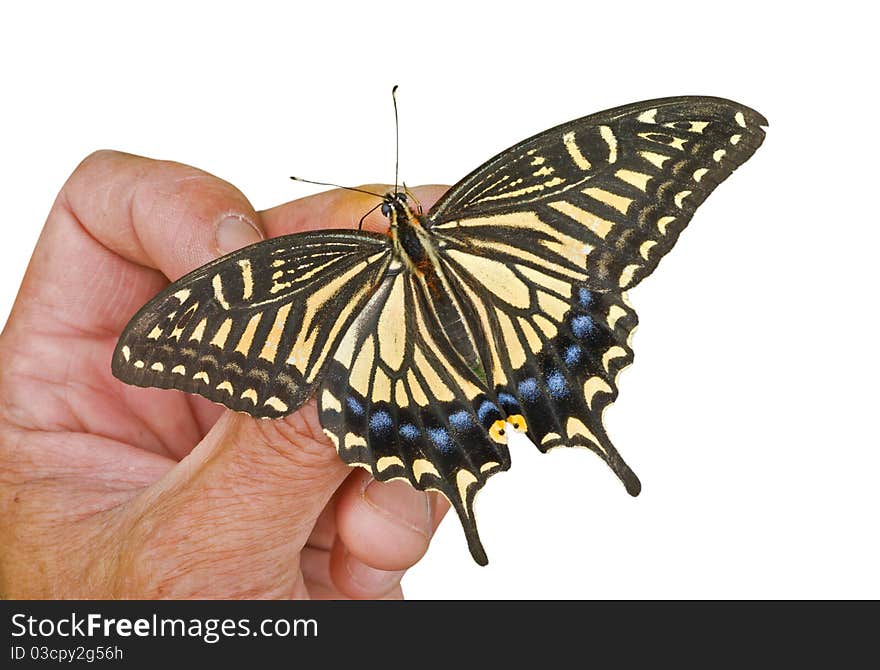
(385, 525)
(119, 227)
(356, 579)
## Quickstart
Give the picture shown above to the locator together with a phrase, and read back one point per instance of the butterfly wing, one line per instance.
(254, 329)
(544, 238)
(602, 198)
(398, 400)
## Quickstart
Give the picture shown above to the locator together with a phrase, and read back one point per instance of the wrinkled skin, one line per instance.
(112, 491)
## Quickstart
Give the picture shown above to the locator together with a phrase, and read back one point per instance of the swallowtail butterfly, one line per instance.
(502, 308)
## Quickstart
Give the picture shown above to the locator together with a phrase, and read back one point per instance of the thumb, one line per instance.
(232, 517)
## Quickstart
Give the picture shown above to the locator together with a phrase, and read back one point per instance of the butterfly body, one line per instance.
(503, 308)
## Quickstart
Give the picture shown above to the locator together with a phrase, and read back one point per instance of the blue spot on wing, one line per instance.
(380, 421)
(585, 297)
(557, 384)
(409, 431)
(354, 406)
(461, 420)
(440, 438)
(528, 389)
(572, 355)
(488, 411)
(582, 325)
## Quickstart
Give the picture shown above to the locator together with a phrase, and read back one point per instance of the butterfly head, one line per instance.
(395, 207)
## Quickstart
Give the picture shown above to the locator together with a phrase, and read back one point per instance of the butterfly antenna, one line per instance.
(412, 195)
(347, 188)
(361, 222)
(396, 137)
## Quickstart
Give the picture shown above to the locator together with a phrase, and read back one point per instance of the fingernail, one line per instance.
(371, 580)
(235, 232)
(401, 504)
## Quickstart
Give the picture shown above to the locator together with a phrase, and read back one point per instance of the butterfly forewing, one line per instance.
(601, 198)
(254, 329)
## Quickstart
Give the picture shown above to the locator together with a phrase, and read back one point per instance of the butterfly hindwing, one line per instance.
(553, 351)
(254, 329)
(397, 400)
(602, 198)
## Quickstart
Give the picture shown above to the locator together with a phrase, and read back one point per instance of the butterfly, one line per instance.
(504, 307)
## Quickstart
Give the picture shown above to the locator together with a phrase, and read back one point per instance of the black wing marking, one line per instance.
(254, 329)
(398, 400)
(604, 197)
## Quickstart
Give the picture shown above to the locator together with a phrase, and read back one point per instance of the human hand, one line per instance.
(112, 491)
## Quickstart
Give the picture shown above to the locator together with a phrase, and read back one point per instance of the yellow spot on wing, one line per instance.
(699, 174)
(178, 370)
(663, 222)
(381, 387)
(679, 198)
(182, 295)
(250, 394)
(575, 152)
(593, 386)
(638, 179)
(219, 339)
(608, 135)
(497, 431)
(545, 326)
(422, 466)
(615, 313)
(464, 479)
(199, 331)
(202, 376)
(126, 353)
(158, 367)
(225, 386)
(550, 437)
(155, 333)
(740, 119)
(654, 158)
(532, 338)
(618, 202)
(273, 339)
(613, 352)
(595, 224)
(276, 404)
(353, 440)
(359, 376)
(400, 397)
(575, 427)
(139, 364)
(330, 401)
(417, 393)
(247, 279)
(647, 116)
(513, 344)
(391, 332)
(645, 247)
(627, 274)
(247, 337)
(518, 421)
(217, 283)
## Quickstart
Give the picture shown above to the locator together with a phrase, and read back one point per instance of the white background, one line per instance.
(751, 412)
